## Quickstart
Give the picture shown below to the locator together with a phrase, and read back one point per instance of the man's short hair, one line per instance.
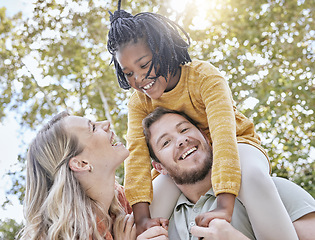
(154, 116)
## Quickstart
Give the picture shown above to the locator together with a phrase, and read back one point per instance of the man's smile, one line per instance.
(188, 152)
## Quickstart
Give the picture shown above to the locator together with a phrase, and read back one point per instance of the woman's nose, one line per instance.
(105, 125)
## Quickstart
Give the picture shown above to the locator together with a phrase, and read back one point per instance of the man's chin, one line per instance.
(190, 177)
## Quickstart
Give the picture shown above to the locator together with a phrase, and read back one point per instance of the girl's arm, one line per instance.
(224, 210)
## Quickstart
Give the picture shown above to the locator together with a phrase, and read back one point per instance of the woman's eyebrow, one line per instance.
(89, 122)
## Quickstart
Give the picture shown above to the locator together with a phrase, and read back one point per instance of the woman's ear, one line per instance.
(78, 165)
(159, 167)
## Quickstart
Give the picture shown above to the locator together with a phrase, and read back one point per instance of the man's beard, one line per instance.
(192, 176)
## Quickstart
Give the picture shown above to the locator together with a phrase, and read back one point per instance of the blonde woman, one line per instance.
(71, 192)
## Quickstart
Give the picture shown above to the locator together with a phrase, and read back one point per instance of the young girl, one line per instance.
(150, 56)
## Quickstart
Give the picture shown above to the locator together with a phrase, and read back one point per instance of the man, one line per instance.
(180, 150)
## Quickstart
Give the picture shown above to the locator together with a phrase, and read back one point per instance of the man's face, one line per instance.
(181, 148)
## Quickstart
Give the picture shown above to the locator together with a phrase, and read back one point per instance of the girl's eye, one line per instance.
(129, 74)
(146, 65)
(93, 127)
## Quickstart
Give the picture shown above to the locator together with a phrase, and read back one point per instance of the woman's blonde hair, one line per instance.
(56, 206)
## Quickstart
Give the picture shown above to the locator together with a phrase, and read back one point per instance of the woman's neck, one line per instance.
(102, 190)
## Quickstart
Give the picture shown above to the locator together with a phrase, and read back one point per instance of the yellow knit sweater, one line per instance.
(204, 95)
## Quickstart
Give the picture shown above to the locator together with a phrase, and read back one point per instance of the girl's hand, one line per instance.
(218, 229)
(130, 228)
(224, 210)
(147, 223)
(156, 233)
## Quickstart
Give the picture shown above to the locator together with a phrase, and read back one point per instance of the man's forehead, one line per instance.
(166, 123)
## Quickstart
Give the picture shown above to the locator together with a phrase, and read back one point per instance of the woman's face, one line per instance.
(98, 142)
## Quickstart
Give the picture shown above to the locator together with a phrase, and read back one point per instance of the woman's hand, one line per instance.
(130, 228)
(218, 229)
(156, 233)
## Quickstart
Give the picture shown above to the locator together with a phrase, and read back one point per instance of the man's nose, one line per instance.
(182, 141)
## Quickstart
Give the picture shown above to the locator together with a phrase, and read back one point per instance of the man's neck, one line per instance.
(194, 191)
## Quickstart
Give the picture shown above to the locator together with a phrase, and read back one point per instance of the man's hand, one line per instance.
(218, 229)
(224, 210)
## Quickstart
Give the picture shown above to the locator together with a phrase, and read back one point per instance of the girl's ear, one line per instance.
(78, 165)
(159, 167)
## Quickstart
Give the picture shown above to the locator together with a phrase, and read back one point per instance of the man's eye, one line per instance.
(165, 143)
(184, 130)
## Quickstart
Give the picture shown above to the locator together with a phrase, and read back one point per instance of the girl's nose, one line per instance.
(139, 77)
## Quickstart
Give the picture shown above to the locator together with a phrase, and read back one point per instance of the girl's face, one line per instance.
(135, 60)
(98, 142)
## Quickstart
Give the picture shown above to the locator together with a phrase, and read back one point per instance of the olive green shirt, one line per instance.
(296, 200)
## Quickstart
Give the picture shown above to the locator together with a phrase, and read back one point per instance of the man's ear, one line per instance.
(78, 165)
(205, 136)
(159, 167)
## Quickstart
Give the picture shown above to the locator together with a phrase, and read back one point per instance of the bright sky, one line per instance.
(10, 139)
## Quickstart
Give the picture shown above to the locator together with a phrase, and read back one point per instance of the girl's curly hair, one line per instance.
(168, 48)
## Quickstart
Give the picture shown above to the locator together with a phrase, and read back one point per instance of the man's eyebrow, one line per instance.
(182, 122)
(176, 126)
(160, 137)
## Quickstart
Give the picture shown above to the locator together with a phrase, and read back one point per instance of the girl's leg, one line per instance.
(165, 195)
(267, 214)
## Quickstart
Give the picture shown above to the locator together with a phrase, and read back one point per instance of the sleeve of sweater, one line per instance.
(138, 185)
(217, 97)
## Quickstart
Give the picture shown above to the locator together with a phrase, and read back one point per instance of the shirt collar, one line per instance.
(182, 200)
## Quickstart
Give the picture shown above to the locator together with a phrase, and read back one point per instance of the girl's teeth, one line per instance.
(146, 87)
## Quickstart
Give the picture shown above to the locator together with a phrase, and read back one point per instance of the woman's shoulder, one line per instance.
(122, 198)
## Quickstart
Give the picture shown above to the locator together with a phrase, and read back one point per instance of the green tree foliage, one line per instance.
(265, 49)
(9, 229)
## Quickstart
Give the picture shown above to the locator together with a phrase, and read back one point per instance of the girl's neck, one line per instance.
(173, 80)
